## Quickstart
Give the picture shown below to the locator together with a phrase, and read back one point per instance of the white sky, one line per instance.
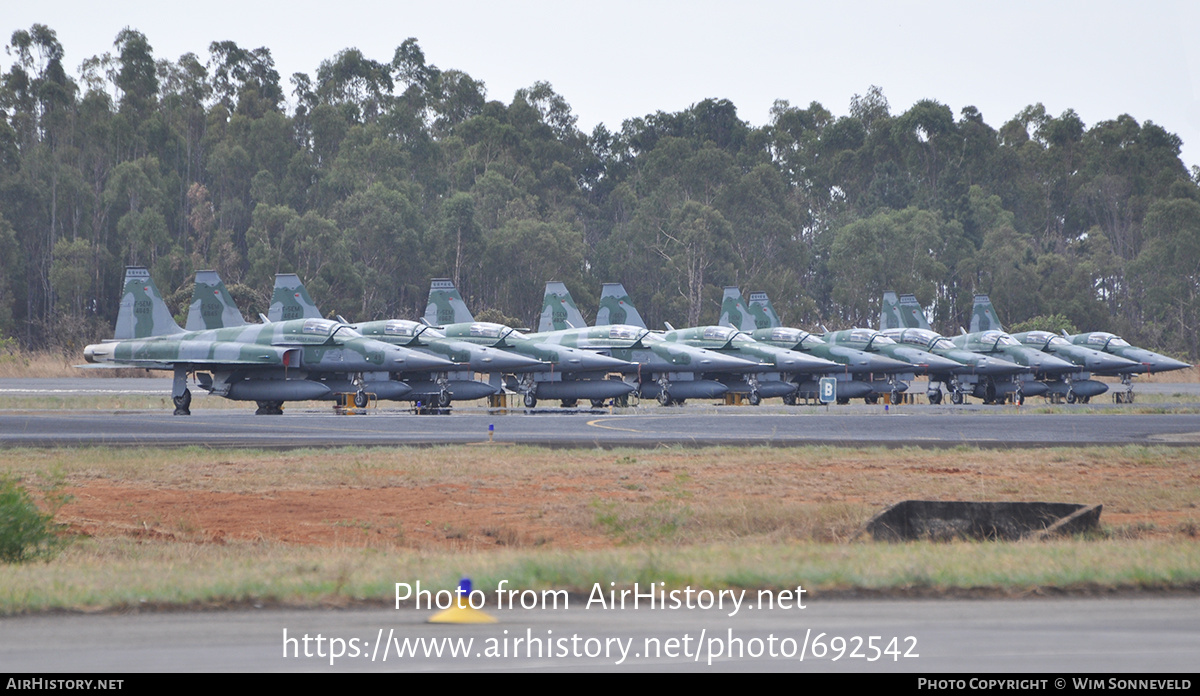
(617, 59)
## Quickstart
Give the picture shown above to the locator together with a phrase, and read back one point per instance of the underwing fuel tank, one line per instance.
(389, 390)
(690, 389)
(459, 390)
(278, 390)
(583, 389)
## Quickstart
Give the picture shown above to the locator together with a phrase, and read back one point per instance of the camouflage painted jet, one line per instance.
(267, 363)
(782, 365)
(992, 341)
(903, 320)
(1148, 361)
(668, 371)
(291, 299)
(566, 373)
(762, 323)
(1075, 385)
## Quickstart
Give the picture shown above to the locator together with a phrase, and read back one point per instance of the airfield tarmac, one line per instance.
(1125, 634)
(649, 425)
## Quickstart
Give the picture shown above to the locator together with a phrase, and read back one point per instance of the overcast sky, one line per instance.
(614, 60)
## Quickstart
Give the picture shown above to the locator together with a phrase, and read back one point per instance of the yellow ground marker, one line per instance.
(462, 612)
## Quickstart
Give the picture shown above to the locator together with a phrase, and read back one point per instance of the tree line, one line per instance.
(370, 177)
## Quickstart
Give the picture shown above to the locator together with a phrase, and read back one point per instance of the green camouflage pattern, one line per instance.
(735, 313)
(762, 311)
(902, 313)
(446, 306)
(559, 310)
(143, 312)
(617, 308)
(983, 316)
(290, 300)
(212, 306)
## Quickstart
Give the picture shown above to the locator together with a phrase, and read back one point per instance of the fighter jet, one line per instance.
(783, 365)
(1075, 385)
(762, 323)
(267, 363)
(669, 371)
(987, 339)
(567, 374)
(290, 299)
(1147, 361)
(903, 320)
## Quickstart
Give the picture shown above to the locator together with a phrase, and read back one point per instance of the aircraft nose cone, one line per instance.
(1163, 364)
(882, 363)
(502, 361)
(939, 364)
(1108, 363)
(995, 366)
(1049, 363)
(413, 361)
(595, 361)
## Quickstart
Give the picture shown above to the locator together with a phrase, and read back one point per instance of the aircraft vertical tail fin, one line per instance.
(617, 308)
(559, 310)
(912, 314)
(764, 314)
(143, 312)
(889, 312)
(290, 300)
(446, 306)
(212, 306)
(983, 316)
(734, 311)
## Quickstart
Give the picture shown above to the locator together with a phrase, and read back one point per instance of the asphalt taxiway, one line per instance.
(696, 424)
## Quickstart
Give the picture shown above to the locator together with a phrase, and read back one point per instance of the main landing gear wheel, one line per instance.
(269, 408)
(754, 398)
(570, 403)
(842, 400)
(895, 398)
(360, 399)
(956, 398)
(443, 399)
(789, 400)
(597, 403)
(935, 397)
(871, 399)
(1071, 398)
(530, 400)
(183, 403)
(664, 399)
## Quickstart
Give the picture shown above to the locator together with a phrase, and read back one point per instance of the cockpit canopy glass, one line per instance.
(796, 336)
(718, 333)
(998, 338)
(624, 332)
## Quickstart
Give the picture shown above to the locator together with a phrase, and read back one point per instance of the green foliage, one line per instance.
(26, 533)
(1054, 323)
(391, 171)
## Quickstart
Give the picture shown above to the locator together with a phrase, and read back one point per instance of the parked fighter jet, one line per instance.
(667, 370)
(1147, 361)
(783, 366)
(441, 388)
(762, 323)
(266, 363)
(993, 341)
(1076, 385)
(567, 373)
(903, 320)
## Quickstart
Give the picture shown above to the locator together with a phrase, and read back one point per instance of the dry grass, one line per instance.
(337, 526)
(24, 364)
(125, 574)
